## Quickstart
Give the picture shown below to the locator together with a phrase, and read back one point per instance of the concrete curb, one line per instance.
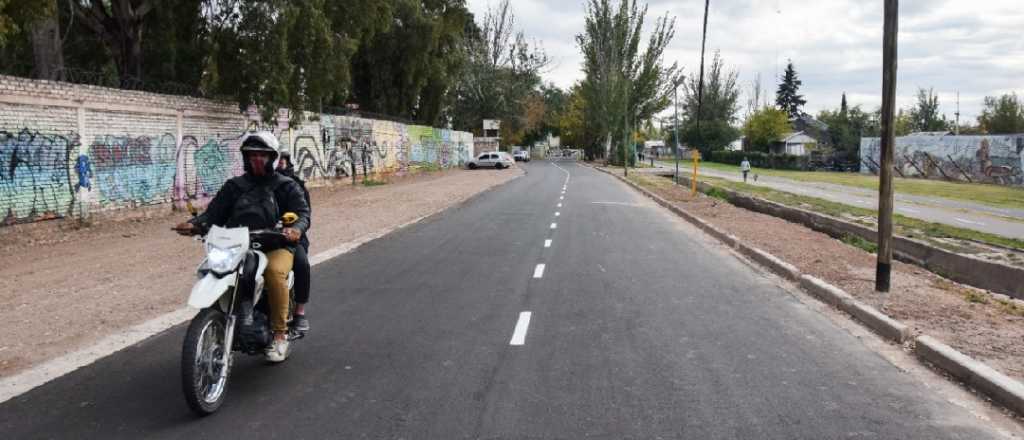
(826, 292)
(979, 376)
(985, 379)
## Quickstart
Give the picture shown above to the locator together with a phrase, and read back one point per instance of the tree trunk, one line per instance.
(47, 50)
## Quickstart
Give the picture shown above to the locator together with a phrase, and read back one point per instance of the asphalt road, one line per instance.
(639, 328)
(1007, 222)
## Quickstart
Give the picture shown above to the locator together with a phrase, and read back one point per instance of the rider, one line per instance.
(257, 200)
(301, 264)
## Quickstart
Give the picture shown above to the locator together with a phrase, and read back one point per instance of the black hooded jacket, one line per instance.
(288, 195)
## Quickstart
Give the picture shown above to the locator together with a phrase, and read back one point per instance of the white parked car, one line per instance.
(522, 155)
(496, 159)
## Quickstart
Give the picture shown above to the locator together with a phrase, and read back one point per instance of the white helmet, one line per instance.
(262, 141)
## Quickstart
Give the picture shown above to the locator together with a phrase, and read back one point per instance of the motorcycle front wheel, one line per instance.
(202, 362)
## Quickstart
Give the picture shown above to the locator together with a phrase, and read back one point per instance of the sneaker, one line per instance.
(300, 323)
(278, 351)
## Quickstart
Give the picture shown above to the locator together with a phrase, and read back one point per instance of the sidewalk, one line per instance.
(1000, 221)
(61, 290)
(987, 327)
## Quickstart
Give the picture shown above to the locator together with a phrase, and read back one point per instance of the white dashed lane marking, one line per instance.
(547, 243)
(538, 272)
(522, 325)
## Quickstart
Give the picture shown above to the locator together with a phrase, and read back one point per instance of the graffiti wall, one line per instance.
(989, 159)
(68, 150)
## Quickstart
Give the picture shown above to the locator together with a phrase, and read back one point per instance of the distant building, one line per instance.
(656, 148)
(796, 144)
(736, 145)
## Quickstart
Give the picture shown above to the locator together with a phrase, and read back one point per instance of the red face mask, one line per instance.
(258, 162)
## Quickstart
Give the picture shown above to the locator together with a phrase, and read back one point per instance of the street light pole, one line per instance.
(883, 270)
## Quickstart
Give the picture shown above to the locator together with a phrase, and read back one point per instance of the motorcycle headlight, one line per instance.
(221, 260)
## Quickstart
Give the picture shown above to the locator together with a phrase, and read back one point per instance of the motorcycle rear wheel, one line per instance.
(202, 356)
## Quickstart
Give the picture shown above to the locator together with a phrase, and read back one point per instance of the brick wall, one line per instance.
(70, 150)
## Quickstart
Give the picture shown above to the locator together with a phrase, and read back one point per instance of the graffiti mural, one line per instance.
(990, 158)
(132, 170)
(203, 167)
(53, 175)
(35, 175)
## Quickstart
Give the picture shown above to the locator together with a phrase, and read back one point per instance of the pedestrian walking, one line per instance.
(745, 168)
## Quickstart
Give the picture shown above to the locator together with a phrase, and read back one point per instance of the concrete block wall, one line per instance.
(70, 150)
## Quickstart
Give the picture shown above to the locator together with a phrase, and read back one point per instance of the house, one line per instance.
(655, 148)
(736, 145)
(797, 144)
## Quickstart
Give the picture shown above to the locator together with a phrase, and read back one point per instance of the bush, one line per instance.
(761, 160)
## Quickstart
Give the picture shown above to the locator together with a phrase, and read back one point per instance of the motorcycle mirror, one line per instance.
(289, 217)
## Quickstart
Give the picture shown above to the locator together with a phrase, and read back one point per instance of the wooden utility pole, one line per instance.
(883, 271)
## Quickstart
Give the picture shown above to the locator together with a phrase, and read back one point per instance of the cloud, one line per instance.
(976, 48)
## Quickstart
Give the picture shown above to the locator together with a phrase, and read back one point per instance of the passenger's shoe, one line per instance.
(278, 351)
(300, 323)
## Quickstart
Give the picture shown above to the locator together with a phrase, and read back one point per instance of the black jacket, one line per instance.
(290, 172)
(288, 195)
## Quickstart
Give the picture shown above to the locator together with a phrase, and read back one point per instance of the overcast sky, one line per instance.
(976, 47)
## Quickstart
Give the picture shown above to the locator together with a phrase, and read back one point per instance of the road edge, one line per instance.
(42, 373)
(974, 373)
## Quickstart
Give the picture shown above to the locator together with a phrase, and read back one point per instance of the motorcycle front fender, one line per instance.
(210, 288)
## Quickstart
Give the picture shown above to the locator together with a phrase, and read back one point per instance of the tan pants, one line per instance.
(276, 279)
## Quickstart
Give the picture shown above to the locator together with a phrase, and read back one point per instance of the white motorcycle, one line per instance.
(233, 315)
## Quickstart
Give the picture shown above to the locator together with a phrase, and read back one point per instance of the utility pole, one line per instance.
(675, 129)
(956, 129)
(700, 82)
(883, 271)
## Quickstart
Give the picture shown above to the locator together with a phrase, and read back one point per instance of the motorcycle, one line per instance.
(234, 310)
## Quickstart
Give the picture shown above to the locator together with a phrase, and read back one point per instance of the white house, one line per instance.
(797, 144)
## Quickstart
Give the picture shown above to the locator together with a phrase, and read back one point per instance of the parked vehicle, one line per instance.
(495, 159)
(521, 155)
(233, 311)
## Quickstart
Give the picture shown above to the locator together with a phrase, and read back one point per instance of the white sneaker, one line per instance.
(278, 351)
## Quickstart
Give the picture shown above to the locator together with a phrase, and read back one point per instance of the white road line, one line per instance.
(538, 272)
(547, 243)
(554, 225)
(561, 198)
(969, 222)
(614, 203)
(559, 205)
(523, 324)
(557, 213)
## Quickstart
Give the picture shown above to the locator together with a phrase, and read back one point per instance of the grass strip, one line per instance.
(1000, 196)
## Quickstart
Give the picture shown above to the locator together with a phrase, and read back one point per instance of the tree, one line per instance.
(786, 98)
(119, 24)
(502, 69)
(624, 84)
(756, 98)
(410, 69)
(1002, 115)
(572, 124)
(924, 116)
(718, 111)
(766, 127)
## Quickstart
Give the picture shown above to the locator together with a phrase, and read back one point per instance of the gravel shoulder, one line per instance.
(978, 323)
(63, 287)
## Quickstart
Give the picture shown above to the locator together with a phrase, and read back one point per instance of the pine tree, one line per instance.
(786, 98)
(843, 109)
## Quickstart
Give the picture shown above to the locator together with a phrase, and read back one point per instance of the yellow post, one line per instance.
(693, 181)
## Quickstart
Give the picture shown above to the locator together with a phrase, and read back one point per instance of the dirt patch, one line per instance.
(63, 286)
(986, 326)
